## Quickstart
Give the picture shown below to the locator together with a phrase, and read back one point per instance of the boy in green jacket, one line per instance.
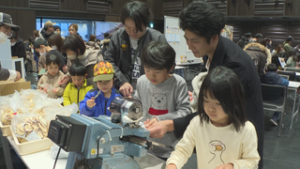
(77, 89)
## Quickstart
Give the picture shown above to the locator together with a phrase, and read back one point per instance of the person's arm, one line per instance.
(184, 147)
(22, 52)
(284, 82)
(42, 62)
(289, 62)
(111, 54)
(84, 109)
(183, 107)
(66, 95)
(4, 74)
(250, 156)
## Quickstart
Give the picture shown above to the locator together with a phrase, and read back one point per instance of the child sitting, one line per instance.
(271, 77)
(77, 89)
(49, 82)
(97, 102)
(164, 96)
(221, 134)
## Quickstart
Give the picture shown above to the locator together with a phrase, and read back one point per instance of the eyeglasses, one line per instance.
(6, 29)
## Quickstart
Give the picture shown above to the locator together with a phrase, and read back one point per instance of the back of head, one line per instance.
(77, 69)
(223, 84)
(258, 35)
(74, 43)
(36, 33)
(106, 35)
(202, 19)
(56, 40)
(248, 35)
(272, 67)
(53, 58)
(262, 41)
(40, 41)
(139, 12)
(278, 48)
(92, 38)
(289, 39)
(158, 55)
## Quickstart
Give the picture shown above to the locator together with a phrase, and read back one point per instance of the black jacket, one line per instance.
(44, 34)
(19, 49)
(119, 53)
(232, 56)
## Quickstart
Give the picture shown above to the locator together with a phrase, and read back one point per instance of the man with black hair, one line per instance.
(245, 40)
(57, 29)
(287, 46)
(47, 30)
(126, 44)
(202, 24)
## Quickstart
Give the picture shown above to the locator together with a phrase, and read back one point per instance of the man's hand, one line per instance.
(159, 129)
(64, 80)
(126, 89)
(171, 166)
(91, 103)
(225, 166)
(18, 76)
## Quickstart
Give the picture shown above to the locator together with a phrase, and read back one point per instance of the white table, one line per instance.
(43, 160)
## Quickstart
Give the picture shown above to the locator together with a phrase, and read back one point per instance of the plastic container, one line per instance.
(5, 130)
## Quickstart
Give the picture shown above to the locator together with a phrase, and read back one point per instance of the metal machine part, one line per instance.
(127, 110)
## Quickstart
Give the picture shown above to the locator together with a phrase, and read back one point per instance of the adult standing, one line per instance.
(47, 30)
(6, 30)
(73, 28)
(17, 46)
(287, 47)
(126, 44)
(202, 24)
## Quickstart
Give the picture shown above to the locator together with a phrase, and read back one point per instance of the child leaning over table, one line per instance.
(271, 77)
(78, 88)
(164, 96)
(49, 82)
(93, 107)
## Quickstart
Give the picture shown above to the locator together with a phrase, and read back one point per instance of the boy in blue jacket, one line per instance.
(97, 101)
(271, 77)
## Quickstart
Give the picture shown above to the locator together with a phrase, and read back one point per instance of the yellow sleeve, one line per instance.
(185, 146)
(88, 88)
(66, 95)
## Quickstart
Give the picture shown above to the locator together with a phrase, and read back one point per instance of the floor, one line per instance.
(279, 152)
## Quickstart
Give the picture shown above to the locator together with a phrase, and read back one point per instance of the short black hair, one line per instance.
(249, 34)
(40, 41)
(77, 69)
(73, 43)
(272, 67)
(202, 19)
(158, 55)
(288, 39)
(14, 35)
(222, 84)
(56, 27)
(139, 12)
(52, 58)
(258, 35)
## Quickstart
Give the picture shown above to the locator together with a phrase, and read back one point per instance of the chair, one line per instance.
(274, 97)
(292, 69)
(292, 75)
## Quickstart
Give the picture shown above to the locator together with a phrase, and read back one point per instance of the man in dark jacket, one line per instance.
(202, 24)
(245, 40)
(126, 44)
(47, 30)
(17, 46)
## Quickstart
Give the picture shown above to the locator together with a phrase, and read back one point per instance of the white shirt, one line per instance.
(217, 145)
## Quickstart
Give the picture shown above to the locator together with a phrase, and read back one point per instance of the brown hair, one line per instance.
(278, 48)
(56, 40)
(92, 38)
(36, 33)
(74, 25)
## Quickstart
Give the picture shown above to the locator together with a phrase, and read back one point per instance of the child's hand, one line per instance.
(171, 166)
(225, 166)
(91, 103)
(149, 123)
(54, 90)
(44, 89)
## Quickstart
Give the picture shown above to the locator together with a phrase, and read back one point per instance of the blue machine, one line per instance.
(106, 142)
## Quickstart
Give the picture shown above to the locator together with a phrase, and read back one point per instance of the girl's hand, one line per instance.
(225, 166)
(54, 90)
(171, 166)
(91, 103)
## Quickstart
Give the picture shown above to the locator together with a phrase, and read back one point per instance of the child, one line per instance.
(93, 107)
(221, 134)
(49, 82)
(271, 77)
(77, 89)
(164, 96)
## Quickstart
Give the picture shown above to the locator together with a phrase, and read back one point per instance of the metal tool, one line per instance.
(99, 92)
